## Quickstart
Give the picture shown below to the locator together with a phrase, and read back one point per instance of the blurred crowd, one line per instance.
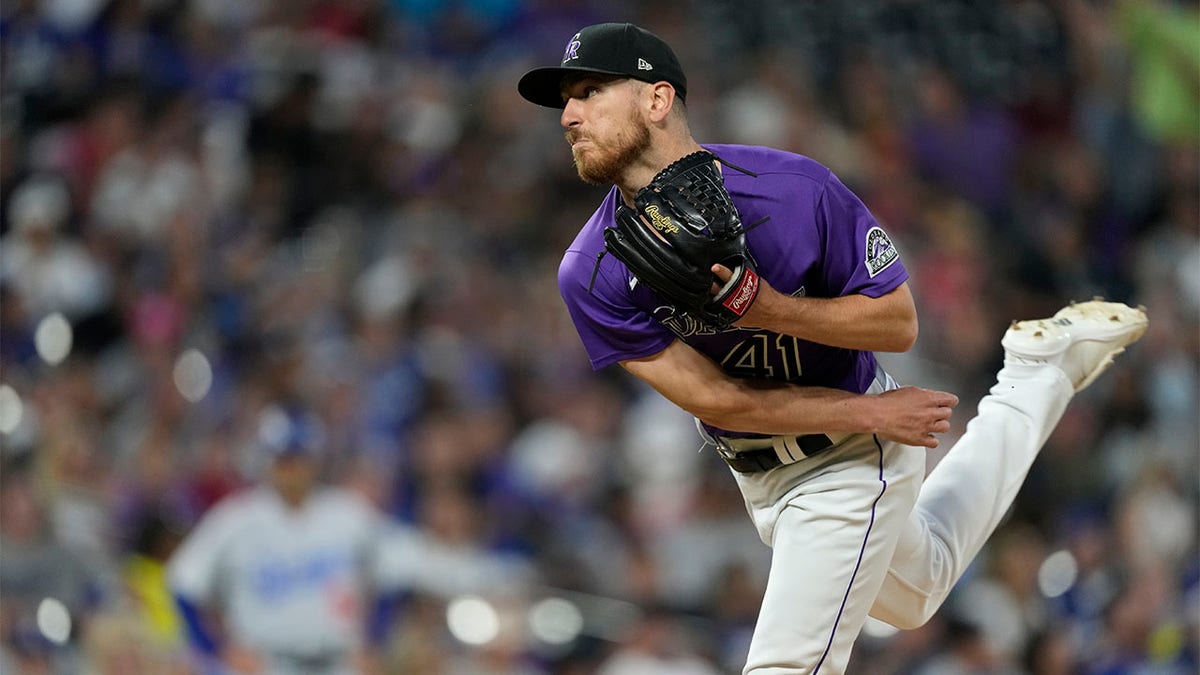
(211, 207)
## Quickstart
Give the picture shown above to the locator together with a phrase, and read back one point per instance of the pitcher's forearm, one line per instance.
(910, 415)
(695, 383)
(884, 324)
(786, 409)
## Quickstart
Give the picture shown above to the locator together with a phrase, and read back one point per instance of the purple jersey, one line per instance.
(819, 241)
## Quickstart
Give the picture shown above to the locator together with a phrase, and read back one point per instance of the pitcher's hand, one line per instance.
(912, 415)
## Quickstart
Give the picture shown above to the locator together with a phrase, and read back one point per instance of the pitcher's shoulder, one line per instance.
(762, 160)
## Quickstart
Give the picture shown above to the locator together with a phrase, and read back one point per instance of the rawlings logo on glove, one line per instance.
(682, 224)
(661, 222)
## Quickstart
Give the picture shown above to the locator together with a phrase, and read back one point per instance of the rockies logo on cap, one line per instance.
(620, 49)
(572, 51)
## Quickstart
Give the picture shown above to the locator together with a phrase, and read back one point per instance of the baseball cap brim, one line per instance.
(543, 86)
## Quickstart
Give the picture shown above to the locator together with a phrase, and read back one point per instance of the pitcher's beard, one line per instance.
(603, 166)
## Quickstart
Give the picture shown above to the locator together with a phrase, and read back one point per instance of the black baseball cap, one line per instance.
(621, 49)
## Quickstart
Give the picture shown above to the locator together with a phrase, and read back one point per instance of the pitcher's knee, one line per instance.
(910, 620)
(906, 611)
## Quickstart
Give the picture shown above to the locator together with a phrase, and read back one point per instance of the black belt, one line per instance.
(766, 458)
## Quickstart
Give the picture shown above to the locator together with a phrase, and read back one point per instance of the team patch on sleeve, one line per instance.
(881, 252)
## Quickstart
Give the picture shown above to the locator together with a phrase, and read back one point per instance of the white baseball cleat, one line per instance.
(1082, 338)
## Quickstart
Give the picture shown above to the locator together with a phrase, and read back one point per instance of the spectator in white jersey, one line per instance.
(284, 569)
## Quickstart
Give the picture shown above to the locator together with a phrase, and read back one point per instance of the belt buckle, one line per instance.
(724, 449)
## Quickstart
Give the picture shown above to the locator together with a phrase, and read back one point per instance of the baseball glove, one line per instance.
(682, 224)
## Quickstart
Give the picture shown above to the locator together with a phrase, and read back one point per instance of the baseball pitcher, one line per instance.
(750, 287)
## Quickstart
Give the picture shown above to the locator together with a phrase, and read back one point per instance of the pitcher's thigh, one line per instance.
(831, 549)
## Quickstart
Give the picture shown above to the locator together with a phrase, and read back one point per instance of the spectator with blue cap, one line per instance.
(291, 436)
(284, 567)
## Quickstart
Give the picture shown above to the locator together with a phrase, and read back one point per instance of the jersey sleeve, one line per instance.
(860, 257)
(193, 570)
(410, 559)
(612, 327)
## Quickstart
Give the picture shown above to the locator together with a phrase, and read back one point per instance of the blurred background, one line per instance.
(211, 206)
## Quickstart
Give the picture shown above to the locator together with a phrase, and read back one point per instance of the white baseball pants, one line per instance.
(856, 531)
